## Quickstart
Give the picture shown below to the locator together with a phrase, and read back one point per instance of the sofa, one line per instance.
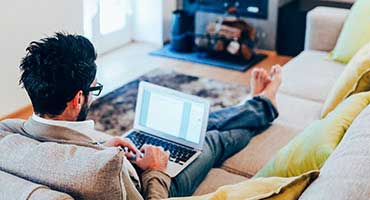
(308, 78)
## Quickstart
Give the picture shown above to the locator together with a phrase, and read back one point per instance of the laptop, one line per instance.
(173, 120)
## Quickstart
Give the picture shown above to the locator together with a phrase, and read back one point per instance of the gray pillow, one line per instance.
(15, 188)
(84, 173)
(346, 173)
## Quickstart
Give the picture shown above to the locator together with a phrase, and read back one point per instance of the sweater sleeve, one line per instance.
(156, 184)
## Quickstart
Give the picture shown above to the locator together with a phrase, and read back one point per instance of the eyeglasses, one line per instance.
(96, 90)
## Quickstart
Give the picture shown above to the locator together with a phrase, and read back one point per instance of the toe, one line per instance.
(255, 73)
(258, 74)
(275, 69)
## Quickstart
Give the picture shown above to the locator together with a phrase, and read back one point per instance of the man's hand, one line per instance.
(153, 158)
(123, 142)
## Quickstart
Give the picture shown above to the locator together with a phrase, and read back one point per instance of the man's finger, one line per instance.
(145, 147)
(129, 155)
(130, 145)
(168, 153)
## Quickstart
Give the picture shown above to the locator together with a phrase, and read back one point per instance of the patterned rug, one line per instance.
(114, 112)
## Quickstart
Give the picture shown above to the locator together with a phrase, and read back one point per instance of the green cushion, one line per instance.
(354, 79)
(276, 188)
(310, 149)
(355, 33)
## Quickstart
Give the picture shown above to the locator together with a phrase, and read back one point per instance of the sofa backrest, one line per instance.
(346, 173)
(14, 188)
(323, 27)
(84, 173)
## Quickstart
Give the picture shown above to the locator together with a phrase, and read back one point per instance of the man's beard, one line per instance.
(84, 110)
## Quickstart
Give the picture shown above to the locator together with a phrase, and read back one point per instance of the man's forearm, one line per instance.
(156, 185)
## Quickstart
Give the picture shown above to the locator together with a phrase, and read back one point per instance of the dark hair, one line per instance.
(55, 69)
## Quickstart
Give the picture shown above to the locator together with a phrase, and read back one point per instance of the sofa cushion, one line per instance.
(354, 79)
(288, 106)
(216, 178)
(355, 33)
(345, 174)
(260, 150)
(84, 173)
(310, 75)
(277, 188)
(14, 188)
(310, 149)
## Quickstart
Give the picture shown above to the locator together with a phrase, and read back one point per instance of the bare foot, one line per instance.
(260, 79)
(272, 88)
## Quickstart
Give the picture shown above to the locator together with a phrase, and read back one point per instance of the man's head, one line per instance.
(58, 73)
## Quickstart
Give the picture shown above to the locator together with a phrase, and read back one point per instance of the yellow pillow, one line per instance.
(354, 79)
(355, 32)
(261, 188)
(310, 149)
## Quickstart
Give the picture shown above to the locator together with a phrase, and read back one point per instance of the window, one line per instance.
(108, 23)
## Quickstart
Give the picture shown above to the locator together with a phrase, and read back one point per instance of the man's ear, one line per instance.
(78, 100)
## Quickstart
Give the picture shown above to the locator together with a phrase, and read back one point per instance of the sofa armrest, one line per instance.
(324, 25)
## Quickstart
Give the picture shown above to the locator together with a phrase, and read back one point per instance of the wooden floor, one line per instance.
(129, 62)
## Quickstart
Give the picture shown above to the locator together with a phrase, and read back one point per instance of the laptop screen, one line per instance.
(172, 115)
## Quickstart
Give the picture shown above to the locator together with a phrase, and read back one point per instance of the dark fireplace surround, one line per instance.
(244, 8)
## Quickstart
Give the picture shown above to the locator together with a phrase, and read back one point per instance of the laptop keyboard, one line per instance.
(178, 153)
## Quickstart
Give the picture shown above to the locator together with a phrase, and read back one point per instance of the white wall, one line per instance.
(22, 21)
(153, 20)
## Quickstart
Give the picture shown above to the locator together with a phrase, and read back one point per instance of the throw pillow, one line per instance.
(310, 149)
(82, 172)
(345, 174)
(261, 188)
(354, 79)
(355, 32)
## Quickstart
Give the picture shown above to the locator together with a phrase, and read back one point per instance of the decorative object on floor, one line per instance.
(182, 31)
(205, 58)
(114, 112)
(310, 149)
(228, 37)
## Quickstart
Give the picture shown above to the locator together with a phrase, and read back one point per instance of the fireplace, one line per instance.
(245, 8)
(227, 41)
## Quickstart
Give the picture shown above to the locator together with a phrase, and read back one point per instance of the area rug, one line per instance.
(114, 113)
(204, 58)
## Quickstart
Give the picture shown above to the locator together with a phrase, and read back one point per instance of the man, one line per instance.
(58, 74)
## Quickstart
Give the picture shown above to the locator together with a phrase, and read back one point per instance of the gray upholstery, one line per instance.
(289, 106)
(15, 188)
(346, 174)
(310, 76)
(217, 178)
(79, 171)
(260, 150)
(324, 25)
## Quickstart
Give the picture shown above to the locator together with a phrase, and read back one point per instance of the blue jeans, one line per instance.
(229, 131)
